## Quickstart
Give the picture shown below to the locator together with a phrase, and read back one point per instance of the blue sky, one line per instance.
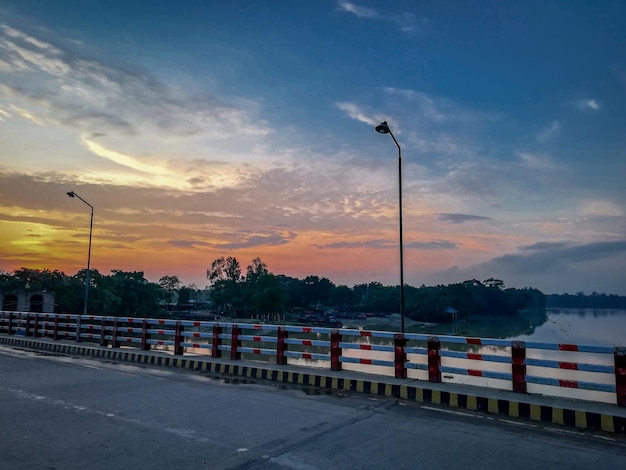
(200, 129)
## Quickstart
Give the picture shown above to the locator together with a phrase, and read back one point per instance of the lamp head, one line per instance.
(71, 194)
(383, 128)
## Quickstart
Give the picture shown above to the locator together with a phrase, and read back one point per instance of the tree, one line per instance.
(255, 270)
(269, 295)
(317, 290)
(184, 295)
(343, 296)
(224, 269)
(104, 297)
(170, 284)
(224, 275)
(138, 297)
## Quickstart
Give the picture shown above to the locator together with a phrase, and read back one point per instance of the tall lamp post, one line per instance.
(87, 276)
(383, 128)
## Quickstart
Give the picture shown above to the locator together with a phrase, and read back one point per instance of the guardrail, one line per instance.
(588, 372)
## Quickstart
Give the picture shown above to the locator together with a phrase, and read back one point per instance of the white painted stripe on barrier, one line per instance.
(483, 357)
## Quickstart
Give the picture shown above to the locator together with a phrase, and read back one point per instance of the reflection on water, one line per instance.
(509, 326)
(574, 326)
(581, 326)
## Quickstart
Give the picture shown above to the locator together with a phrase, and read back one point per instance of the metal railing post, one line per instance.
(235, 342)
(36, 326)
(178, 348)
(281, 346)
(434, 359)
(145, 346)
(55, 330)
(518, 366)
(335, 350)
(620, 375)
(103, 332)
(115, 333)
(217, 341)
(78, 328)
(399, 343)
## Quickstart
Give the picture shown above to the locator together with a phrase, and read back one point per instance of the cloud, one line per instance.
(387, 244)
(188, 243)
(369, 244)
(427, 123)
(601, 208)
(588, 104)
(460, 218)
(70, 87)
(438, 110)
(432, 245)
(536, 161)
(407, 22)
(545, 246)
(549, 132)
(251, 241)
(547, 257)
(355, 112)
(361, 12)
(555, 267)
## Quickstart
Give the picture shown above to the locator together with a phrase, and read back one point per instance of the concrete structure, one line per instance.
(555, 411)
(35, 301)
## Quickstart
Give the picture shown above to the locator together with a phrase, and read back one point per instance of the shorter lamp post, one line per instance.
(383, 128)
(87, 275)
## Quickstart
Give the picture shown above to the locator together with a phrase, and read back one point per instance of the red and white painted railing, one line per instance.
(524, 367)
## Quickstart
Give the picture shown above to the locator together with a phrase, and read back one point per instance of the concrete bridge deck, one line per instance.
(582, 415)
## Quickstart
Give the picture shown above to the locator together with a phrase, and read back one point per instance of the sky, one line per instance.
(200, 128)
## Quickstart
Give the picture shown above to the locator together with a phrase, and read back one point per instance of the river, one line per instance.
(605, 327)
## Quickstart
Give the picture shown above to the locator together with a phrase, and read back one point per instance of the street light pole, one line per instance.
(87, 275)
(383, 128)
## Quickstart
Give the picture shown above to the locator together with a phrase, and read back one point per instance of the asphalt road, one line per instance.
(78, 413)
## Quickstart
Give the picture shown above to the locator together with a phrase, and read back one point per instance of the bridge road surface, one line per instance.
(79, 413)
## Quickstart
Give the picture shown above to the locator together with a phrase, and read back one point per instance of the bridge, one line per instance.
(581, 386)
(109, 392)
(78, 412)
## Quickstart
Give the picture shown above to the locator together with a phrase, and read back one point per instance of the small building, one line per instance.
(36, 302)
(452, 313)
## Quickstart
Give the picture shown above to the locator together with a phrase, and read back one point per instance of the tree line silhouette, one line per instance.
(258, 291)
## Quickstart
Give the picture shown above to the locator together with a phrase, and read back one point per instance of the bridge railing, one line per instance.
(588, 372)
